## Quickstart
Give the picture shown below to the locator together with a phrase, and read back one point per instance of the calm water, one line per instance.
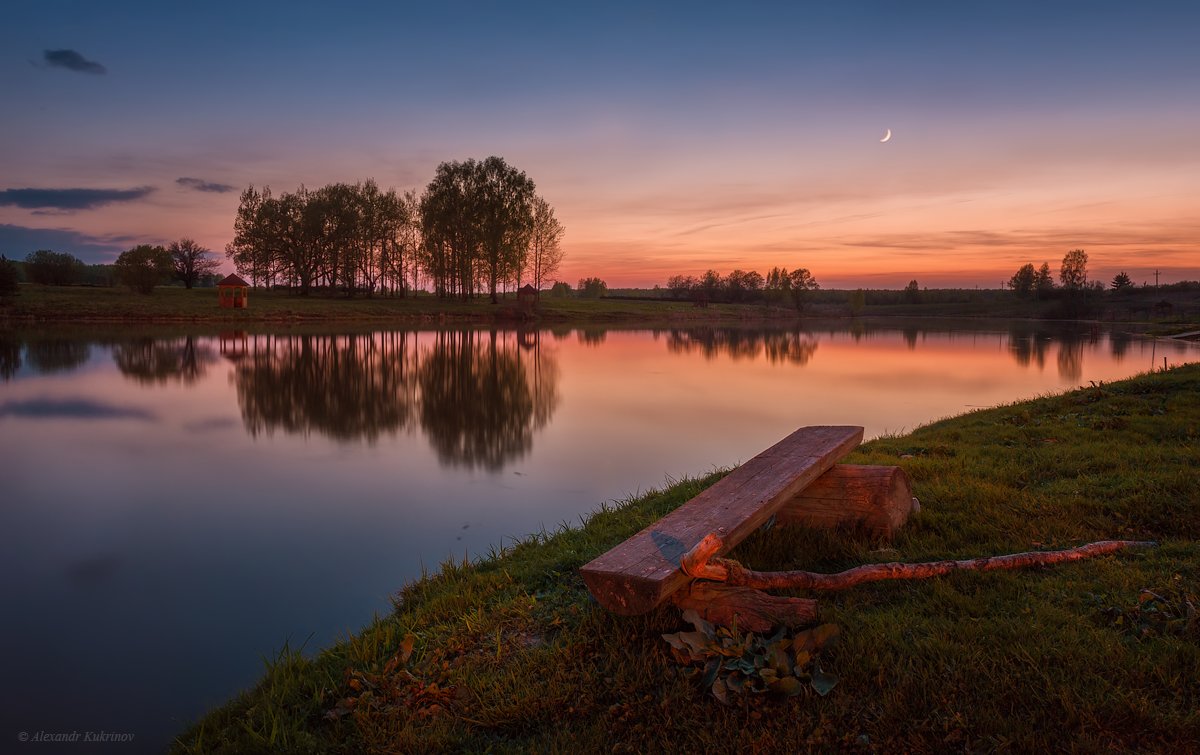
(178, 506)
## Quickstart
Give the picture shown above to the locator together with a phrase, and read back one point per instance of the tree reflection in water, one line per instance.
(1028, 344)
(482, 398)
(10, 354)
(48, 355)
(477, 395)
(163, 360)
(786, 346)
(349, 387)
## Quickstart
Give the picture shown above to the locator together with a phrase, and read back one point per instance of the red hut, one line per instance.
(233, 292)
(527, 294)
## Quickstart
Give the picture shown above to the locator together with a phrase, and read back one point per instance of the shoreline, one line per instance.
(43, 305)
(516, 655)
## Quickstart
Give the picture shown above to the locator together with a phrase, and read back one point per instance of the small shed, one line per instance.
(527, 293)
(233, 292)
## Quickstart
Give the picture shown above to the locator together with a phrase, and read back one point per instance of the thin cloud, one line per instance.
(70, 199)
(72, 61)
(17, 241)
(200, 184)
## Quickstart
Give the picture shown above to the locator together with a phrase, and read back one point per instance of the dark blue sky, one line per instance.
(671, 137)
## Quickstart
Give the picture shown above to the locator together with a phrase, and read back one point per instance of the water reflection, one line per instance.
(10, 354)
(481, 399)
(157, 361)
(778, 346)
(355, 387)
(179, 444)
(477, 395)
(1119, 342)
(49, 355)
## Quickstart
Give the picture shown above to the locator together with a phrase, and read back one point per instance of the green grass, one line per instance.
(510, 655)
(173, 305)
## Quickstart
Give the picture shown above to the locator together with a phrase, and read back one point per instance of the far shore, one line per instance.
(1156, 312)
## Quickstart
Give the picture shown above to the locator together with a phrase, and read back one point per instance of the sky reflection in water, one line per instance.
(180, 506)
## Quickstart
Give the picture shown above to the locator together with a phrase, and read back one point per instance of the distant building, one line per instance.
(233, 292)
(527, 293)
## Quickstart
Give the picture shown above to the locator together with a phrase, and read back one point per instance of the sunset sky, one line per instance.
(670, 137)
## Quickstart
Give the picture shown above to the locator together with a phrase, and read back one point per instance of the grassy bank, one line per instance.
(509, 654)
(178, 305)
(48, 304)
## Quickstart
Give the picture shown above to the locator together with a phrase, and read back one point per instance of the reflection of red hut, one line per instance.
(233, 292)
(233, 344)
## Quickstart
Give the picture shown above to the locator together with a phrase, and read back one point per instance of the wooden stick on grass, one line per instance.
(699, 563)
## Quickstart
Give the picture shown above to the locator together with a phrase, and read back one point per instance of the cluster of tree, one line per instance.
(746, 286)
(478, 227)
(9, 278)
(146, 266)
(1072, 275)
(53, 268)
(589, 288)
(1028, 282)
(141, 268)
(353, 236)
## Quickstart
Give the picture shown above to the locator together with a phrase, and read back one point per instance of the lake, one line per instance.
(179, 505)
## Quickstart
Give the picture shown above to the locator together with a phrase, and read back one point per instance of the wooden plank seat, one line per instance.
(642, 572)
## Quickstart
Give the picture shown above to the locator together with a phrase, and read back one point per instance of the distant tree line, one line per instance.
(1072, 276)
(478, 227)
(141, 268)
(780, 286)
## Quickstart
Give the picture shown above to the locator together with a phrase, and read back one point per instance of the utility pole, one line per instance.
(1156, 279)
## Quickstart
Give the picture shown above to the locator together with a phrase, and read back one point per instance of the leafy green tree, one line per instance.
(53, 268)
(744, 285)
(477, 218)
(1121, 280)
(144, 267)
(503, 207)
(560, 290)
(8, 278)
(545, 242)
(912, 292)
(191, 261)
(1043, 282)
(1023, 281)
(450, 246)
(711, 285)
(253, 237)
(681, 286)
(800, 283)
(1073, 271)
(858, 302)
(778, 284)
(592, 288)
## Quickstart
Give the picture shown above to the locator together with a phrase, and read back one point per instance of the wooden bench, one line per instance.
(642, 572)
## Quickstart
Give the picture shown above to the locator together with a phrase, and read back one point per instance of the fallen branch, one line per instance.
(699, 563)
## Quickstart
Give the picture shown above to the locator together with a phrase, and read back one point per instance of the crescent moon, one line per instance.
(887, 136)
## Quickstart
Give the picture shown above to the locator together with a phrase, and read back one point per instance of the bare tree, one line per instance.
(545, 241)
(191, 261)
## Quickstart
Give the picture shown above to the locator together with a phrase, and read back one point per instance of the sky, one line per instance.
(670, 138)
